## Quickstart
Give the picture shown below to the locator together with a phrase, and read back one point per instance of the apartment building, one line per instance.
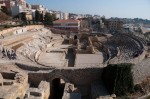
(71, 25)
(40, 8)
(65, 16)
(84, 23)
(10, 3)
(113, 24)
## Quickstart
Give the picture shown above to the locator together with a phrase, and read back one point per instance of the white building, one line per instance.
(20, 3)
(71, 25)
(19, 9)
(40, 8)
(14, 6)
(96, 17)
(131, 27)
(65, 16)
(59, 15)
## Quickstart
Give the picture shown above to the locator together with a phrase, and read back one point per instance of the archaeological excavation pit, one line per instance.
(57, 66)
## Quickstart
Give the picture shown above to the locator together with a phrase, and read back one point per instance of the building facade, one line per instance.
(71, 25)
(65, 16)
(84, 23)
(10, 3)
(113, 24)
(40, 8)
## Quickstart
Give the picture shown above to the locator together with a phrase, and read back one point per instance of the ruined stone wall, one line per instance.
(59, 31)
(139, 58)
(83, 77)
(34, 26)
(17, 28)
(80, 77)
(141, 71)
(35, 78)
(8, 30)
(77, 76)
(8, 75)
(70, 92)
(20, 31)
(32, 67)
(131, 60)
(45, 89)
(17, 84)
(36, 57)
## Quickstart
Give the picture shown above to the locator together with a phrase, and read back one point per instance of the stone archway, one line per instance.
(58, 75)
(75, 37)
(57, 88)
(57, 84)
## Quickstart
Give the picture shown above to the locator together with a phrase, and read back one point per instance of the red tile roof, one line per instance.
(66, 21)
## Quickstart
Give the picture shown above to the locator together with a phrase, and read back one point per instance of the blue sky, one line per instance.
(109, 8)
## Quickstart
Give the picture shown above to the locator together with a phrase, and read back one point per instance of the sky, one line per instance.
(108, 8)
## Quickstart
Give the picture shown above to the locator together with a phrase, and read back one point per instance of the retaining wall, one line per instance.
(77, 76)
(141, 71)
(14, 29)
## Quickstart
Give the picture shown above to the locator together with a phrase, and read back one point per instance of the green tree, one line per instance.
(41, 17)
(23, 17)
(54, 17)
(48, 19)
(37, 16)
(118, 78)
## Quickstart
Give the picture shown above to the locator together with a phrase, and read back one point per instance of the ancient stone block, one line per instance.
(1, 79)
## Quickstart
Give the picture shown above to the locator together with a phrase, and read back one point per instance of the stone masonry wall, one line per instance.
(35, 78)
(16, 28)
(80, 77)
(77, 76)
(141, 71)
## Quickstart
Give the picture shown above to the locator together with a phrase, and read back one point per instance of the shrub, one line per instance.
(118, 78)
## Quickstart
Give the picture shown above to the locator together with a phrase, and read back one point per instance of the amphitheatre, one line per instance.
(37, 63)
